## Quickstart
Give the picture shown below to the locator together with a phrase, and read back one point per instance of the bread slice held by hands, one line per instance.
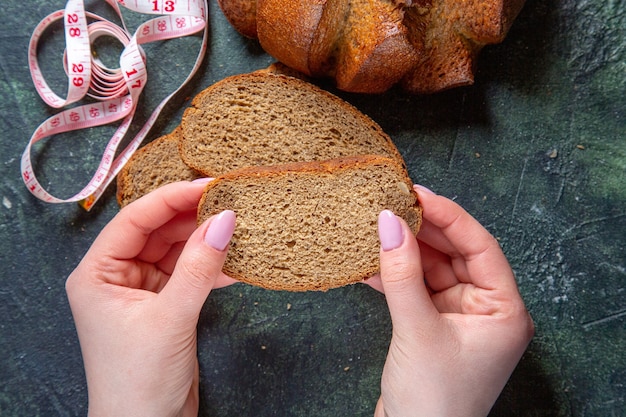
(262, 118)
(310, 226)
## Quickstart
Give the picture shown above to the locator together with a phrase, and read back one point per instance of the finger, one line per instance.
(374, 282)
(155, 280)
(401, 273)
(466, 299)
(434, 236)
(125, 236)
(443, 220)
(224, 280)
(475, 254)
(174, 232)
(199, 266)
(438, 271)
(168, 263)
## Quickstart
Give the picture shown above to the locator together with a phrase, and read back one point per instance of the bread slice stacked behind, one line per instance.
(266, 119)
(152, 166)
(310, 226)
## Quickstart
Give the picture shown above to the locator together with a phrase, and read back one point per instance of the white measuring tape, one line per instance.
(116, 90)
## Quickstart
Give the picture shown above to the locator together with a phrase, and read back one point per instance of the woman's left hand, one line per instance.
(136, 297)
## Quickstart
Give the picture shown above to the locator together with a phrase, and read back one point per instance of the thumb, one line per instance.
(402, 275)
(199, 265)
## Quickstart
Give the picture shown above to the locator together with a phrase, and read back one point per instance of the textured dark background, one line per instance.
(535, 150)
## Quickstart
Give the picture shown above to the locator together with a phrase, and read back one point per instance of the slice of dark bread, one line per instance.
(263, 118)
(152, 166)
(310, 226)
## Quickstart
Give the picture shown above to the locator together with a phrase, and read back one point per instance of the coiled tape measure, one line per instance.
(116, 91)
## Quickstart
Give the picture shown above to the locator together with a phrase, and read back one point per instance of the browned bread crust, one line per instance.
(369, 45)
(241, 14)
(280, 34)
(310, 226)
(278, 68)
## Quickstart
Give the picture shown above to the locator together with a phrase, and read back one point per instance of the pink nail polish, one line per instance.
(389, 231)
(420, 188)
(202, 180)
(221, 230)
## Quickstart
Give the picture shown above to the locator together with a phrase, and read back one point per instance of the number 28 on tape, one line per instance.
(116, 91)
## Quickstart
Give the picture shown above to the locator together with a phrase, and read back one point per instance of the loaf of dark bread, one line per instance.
(369, 45)
(310, 226)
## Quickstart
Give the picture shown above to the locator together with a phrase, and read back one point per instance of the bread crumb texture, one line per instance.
(152, 166)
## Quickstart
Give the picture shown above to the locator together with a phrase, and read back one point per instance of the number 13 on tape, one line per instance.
(116, 91)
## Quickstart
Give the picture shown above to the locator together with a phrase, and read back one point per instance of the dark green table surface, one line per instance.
(535, 150)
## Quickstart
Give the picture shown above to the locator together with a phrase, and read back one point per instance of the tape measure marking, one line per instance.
(116, 90)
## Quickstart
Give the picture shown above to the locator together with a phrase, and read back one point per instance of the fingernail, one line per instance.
(221, 230)
(389, 230)
(202, 180)
(420, 188)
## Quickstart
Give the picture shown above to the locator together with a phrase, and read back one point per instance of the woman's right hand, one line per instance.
(459, 324)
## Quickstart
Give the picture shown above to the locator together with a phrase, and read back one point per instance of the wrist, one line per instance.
(433, 406)
(114, 408)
